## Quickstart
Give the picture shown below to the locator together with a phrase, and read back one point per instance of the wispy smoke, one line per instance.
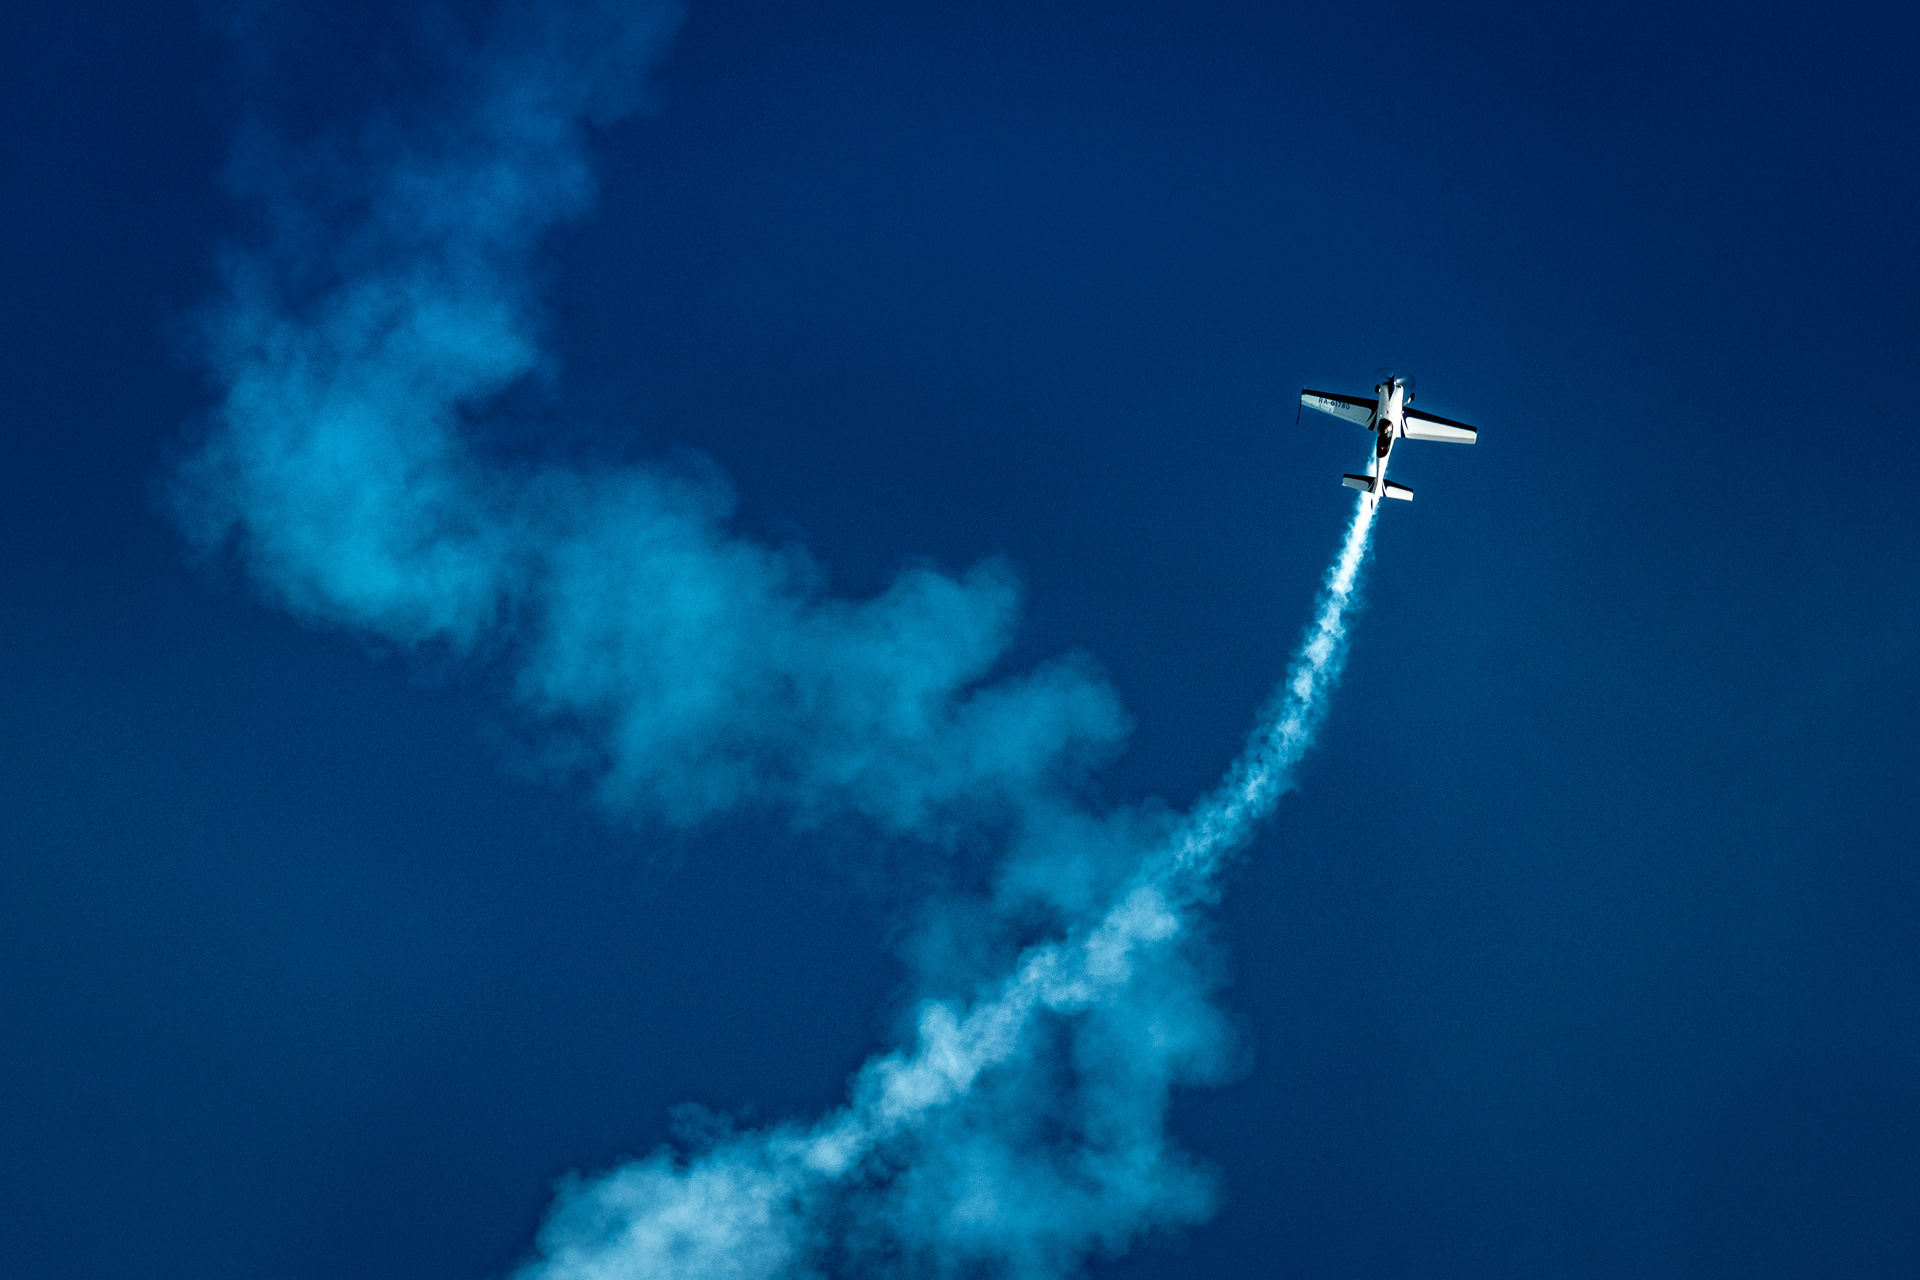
(690, 671)
(1020, 1130)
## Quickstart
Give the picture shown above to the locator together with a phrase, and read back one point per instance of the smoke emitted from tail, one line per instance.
(690, 671)
(1021, 1130)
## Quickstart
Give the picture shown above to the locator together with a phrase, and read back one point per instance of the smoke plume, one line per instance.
(689, 672)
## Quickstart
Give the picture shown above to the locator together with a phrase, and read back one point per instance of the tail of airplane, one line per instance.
(1365, 485)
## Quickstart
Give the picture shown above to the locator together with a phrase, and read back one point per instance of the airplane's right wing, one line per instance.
(1352, 408)
(1415, 425)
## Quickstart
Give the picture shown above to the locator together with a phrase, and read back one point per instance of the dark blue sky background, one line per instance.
(1588, 946)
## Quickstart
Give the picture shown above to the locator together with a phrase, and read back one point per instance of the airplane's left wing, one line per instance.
(1352, 408)
(1415, 425)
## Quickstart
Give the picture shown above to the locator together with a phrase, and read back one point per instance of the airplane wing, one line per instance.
(1415, 425)
(1352, 408)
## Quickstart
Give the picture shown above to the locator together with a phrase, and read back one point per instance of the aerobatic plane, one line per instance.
(1387, 416)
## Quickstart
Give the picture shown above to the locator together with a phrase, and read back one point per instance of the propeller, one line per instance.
(1381, 375)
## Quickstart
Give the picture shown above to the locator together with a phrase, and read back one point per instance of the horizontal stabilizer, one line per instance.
(1415, 425)
(1365, 485)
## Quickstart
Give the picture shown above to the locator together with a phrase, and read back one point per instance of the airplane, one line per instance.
(1387, 416)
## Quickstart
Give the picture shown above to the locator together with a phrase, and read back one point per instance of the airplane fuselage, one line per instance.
(1392, 403)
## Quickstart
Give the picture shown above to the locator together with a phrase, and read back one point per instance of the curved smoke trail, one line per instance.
(688, 672)
(779, 1202)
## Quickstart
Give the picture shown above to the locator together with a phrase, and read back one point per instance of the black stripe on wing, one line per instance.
(1356, 401)
(1434, 417)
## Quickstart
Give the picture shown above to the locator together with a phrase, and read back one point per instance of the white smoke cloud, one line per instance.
(1019, 1131)
(690, 671)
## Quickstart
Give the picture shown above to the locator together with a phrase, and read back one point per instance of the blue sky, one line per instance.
(1585, 946)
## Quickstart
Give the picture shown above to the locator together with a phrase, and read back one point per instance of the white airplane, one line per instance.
(1388, 417)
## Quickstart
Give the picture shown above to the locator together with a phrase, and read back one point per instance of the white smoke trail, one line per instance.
(692, 672)
(1261, 775)
(770, 1204)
